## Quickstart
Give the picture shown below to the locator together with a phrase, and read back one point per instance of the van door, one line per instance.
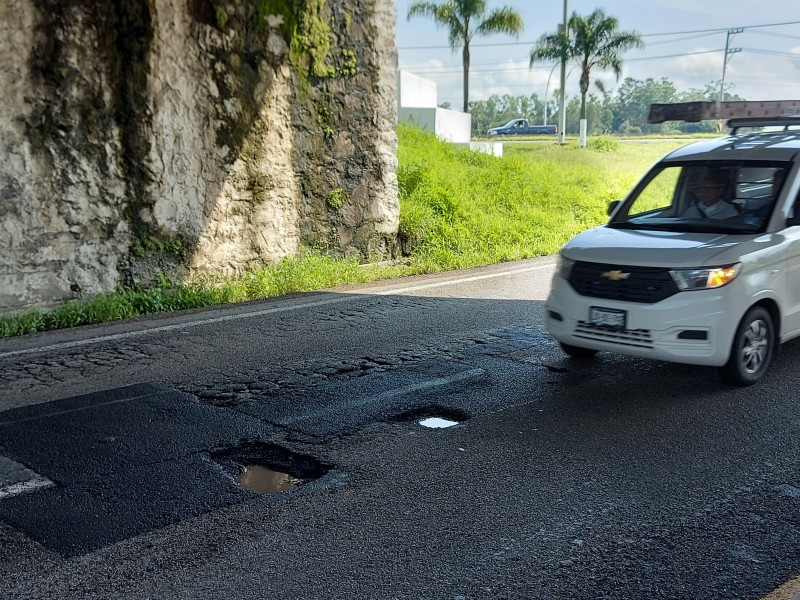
(791, 268)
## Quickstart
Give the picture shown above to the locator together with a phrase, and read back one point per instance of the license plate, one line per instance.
(610, 318)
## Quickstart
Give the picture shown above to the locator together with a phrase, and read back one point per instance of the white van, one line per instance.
(700, 264)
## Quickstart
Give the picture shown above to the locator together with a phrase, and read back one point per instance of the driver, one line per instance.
(709, 196)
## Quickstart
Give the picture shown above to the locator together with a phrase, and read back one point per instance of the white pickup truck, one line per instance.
(699, 264)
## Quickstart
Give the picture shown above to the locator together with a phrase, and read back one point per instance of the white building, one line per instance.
(416, 104)
(416, 99)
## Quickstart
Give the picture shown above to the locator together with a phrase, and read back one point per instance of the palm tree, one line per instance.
(592, 41)
(459, 16)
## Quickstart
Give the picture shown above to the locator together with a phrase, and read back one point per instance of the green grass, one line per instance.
(457, 209)
(461, 209)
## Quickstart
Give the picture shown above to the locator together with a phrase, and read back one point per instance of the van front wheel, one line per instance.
(577, 351)
(752, 350)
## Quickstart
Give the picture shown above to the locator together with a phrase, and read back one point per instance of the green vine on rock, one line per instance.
(350, 66)
(336, 198)
(149, 245)
(304, 29)
(221, 16)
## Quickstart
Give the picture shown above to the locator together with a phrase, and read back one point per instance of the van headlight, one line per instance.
(564, 266)
(705, 278)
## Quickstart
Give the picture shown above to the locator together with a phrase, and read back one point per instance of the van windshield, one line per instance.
(704, 197)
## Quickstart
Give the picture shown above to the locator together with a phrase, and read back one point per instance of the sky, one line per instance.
(684, 42)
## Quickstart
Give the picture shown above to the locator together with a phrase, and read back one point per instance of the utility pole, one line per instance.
(728, 52)
(562, 126)
(546, 91)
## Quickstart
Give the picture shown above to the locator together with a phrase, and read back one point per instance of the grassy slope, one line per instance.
(457, 209)
(461, 208)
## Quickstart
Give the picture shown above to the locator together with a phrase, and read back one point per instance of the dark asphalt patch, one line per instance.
(124, 462)
(343, 407)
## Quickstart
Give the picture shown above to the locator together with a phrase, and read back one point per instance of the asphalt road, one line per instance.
(120, 447)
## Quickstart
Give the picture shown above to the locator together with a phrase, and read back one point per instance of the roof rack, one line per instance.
(699, 111)
(785, 122)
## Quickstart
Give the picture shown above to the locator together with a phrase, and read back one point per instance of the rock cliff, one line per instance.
(187, 137)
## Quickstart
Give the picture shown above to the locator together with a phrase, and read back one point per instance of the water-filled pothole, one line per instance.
(269, 469)
(435, 417)
(261, 479)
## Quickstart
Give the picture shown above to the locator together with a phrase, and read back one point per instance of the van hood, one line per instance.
(655, 248)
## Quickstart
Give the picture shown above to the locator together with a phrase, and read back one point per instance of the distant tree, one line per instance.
(634, 98)
(709, 93)
(592, 41)
(465, 19)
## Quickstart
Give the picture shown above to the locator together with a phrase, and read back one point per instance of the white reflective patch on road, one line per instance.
(16, 479)
(437, 423)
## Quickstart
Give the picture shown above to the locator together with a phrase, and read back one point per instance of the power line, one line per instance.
(454, 69)
(773, 53)
(773, 34)
(457, 69)
(645, 35)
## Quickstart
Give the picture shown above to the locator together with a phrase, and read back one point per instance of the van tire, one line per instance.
(578, 351)
(752, 349)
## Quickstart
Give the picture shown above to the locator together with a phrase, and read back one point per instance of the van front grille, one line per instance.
(646, 285)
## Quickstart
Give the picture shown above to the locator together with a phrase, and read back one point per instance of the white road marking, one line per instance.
(16, 479)
(268, 311)
(24, 487)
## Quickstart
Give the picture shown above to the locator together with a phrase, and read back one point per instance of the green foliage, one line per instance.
(314, 38)
(323, 117)
(309, 271)
(148, 245)
(465, 19)
(221, 16)
(624, 112)
(460, 208)
(304, 29)
(593, 42)
(336, 198)
(349, 64)
(602, 144)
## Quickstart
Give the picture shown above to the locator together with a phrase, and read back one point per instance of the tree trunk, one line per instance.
(584, 89)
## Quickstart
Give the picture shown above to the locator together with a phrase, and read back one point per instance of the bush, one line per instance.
(602, 144)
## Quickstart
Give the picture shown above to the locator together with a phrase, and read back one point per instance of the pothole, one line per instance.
(261, 479)
(269, 469)
(434, 417)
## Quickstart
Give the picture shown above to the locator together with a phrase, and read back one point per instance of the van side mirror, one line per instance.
(612, 206)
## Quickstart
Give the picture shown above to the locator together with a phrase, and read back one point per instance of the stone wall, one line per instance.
(188, 137)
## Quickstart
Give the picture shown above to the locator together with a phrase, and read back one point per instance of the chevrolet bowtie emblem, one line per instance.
(615, 275)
